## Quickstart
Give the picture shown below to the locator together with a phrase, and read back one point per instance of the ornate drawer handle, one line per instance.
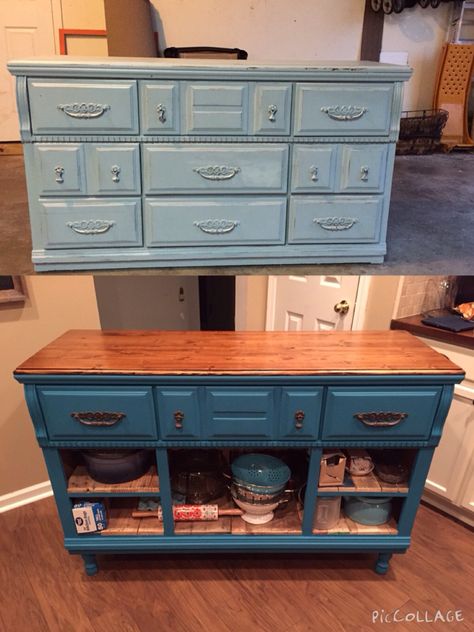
(272, 111)
(299, 418)
(381, 419)
(98, 418)
(364, 173)
(84, 110)
(161, 111)
(59, 171)
(115, 171)
(217, 172)
(91, 226)
(335, 223)
(216, 226)
(178, 417)
(314, 173)
(344, 112)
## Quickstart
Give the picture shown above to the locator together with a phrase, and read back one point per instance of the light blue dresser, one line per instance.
(160, 163)
(299, 391)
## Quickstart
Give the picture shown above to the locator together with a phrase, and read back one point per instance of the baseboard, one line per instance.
(25, 496)
(460, 514)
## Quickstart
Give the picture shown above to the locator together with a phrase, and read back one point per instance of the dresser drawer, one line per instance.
(113, 169)
(61, 169)
(343, 109)
(336, 219)
(91, 223)
(314, 169)
(300, 412)
(178, 412)
(159, 107)
(98, 412)
(363, 168)
(380, 413)
(86, 107)
(239, 412)
(215, 108)
(216, 168)
(216, 220)
(272, 109)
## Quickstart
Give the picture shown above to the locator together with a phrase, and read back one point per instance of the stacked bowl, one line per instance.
(258, 485)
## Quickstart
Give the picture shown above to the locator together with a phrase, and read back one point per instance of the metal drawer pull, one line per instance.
(84, 110)
(178, 417)
(91, 226)
(313, 171)
(161, 111)
(272, 111)
(335, 223)
(217, 172)
(59, 171)
(115, 171)
(98, 418)
(299, 418)
(364, 174)
(344, 112)
(217, 226)
(381, 419)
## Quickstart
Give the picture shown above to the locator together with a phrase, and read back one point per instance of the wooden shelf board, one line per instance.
(367, 483)
(80, 482)
(346, 526)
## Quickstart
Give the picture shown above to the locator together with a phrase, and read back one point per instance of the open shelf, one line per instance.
(346, 526)
(367, 484)
(80, 483)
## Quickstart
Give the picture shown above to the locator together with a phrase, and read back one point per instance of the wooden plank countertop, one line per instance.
(414, 325)
(95, 352)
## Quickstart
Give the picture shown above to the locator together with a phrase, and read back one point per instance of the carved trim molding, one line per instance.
(335, 223)
(91, 226)
(216, 226)
(77, 138)
(84, 110)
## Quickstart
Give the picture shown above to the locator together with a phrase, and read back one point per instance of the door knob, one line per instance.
(341, 308)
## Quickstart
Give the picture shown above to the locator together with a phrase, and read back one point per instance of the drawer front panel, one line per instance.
(91, 223)
(178, 413)
(113, 169)
(314, 169)
(61, 169)
(217, 221)
(239, 412)
(335, 219)
(98, 413)
(217, 168)
(215, 108)
(159, 107)
(91, 106)
(380, 413)
(272, 109)
(326, 109)
(300, 413)
(363, 168)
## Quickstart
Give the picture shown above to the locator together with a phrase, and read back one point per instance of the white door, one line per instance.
(26, 30)
(311, 303)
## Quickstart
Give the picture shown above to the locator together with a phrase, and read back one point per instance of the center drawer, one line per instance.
(218, 168)
(239, 412)
(98, 412)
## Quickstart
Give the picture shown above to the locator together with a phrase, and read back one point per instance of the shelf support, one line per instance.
(165, 490)
(416, 485)
(310, 497)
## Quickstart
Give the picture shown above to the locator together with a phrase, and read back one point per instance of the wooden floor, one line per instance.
(44, 588)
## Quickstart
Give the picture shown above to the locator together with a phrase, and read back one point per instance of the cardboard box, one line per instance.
(89, 517)
(331, 471)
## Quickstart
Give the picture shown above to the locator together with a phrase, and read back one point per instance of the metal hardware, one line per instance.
(178, 417)
(342, 307)
(161, 111)
(335, 223)
(84, 110)
(381, 419)
(313, 171)
(91, 226)
(217, 172)
(59, 171)
(98, 418)
(115, 171)
(272, 110)
(299, 418)
(216, 226)
(344, 112)
(364, 173)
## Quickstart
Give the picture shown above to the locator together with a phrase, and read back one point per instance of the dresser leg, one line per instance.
(382, 564)
(90, 563)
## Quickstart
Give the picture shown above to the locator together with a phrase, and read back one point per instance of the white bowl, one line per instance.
(256, 514)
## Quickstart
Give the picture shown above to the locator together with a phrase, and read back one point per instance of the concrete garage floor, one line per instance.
(431, 225)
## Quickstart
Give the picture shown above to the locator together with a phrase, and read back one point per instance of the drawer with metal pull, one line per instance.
(334, 219)
(59, 106)
(181, 168)
(90, 223)
(378, 413)
(342, 110)
(174, 221)
(98, 412)
(300, 412)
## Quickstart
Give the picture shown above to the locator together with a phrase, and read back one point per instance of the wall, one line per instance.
(250, 302)
(54, 304)
(380, 304)
(420, 294)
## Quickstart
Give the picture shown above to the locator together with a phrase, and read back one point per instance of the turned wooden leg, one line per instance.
(382, 563)
(90, 563)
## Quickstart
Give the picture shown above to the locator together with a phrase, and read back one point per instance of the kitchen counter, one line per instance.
(414, 325)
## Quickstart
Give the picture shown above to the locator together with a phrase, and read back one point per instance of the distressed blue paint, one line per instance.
(311, 493)
(58, 480)
(165, 490)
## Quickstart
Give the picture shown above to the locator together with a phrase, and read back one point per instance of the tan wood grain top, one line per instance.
(236, 353)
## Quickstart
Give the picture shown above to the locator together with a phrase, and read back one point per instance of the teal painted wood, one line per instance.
(311, 493)
(61, 169)
(272, 109)
(314, 169)
(184, 401)
(57, 476)
(165, 491)
(363, 168)
(300, 413)
(113, 169)
(159, 111)
(215, 108)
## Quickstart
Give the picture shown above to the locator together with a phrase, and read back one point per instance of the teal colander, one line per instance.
(260, 469)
